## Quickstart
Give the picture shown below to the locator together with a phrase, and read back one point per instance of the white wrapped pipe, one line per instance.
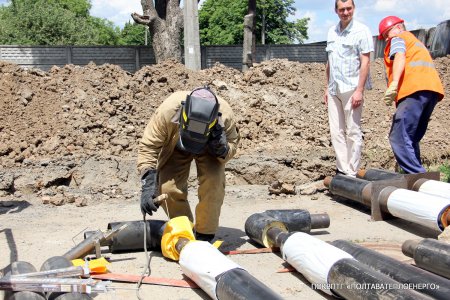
(436, 188)
(312, 257)
(202, 262)
(420, 208)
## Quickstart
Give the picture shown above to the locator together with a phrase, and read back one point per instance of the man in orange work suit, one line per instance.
(414, 86)
(188, 126)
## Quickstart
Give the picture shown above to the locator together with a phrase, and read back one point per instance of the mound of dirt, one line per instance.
(77, 128)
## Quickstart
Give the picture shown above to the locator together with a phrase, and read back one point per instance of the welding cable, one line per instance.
(147, 267)
(147, 256)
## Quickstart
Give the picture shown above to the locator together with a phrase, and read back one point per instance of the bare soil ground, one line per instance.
(68, 141)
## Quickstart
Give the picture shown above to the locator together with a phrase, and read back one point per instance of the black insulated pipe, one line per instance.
(377, 174)
(59, 262)
(351, 279)
(319, 221)
(131, 238)
(238, 284)
(429, 254)
(16, 268)
(299, 219)
(413, 277)
(351, 188)
(256, 227)
(347, 278)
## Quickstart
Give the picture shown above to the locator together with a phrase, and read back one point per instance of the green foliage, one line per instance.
(445, 169)
(54, 22)
(103, 32)
(221, 22)
(277, 28)
(79, 7)
(133, 34)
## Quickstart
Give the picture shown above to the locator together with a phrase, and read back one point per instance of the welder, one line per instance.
(188, 126)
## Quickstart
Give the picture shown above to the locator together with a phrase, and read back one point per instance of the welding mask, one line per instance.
(198, 116)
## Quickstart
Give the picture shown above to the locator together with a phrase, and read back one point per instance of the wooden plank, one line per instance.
(147, 279)
(252, 251)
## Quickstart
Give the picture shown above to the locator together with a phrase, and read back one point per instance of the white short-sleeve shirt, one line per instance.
(344, 49)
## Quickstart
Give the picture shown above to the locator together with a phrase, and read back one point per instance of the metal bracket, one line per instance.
(403, 181)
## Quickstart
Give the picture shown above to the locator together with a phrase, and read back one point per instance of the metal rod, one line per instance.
(62, 272)
(52, 285)
(88, 244)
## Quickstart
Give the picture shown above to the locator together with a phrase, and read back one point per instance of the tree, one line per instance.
(249, 43)
(54, 22)
(277, 29)
(165, 21)
(133, 34)
(221, 22)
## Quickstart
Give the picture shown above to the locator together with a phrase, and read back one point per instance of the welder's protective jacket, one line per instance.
(419, 74)
(161, 134)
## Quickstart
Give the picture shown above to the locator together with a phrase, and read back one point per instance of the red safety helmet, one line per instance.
(387, 23)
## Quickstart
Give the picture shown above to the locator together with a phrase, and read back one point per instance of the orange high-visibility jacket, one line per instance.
(419, 74)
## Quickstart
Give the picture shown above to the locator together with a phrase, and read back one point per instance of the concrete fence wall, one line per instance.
(44, 57)
(132, 58)
(231, 56)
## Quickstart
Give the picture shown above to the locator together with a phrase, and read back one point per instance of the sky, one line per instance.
(416, 13)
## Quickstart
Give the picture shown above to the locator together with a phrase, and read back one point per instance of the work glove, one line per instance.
(149, 191)
(217, 143)
(391, 93)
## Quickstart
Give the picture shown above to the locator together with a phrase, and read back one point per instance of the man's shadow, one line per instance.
(13, 207)
(233, 238)
(13, 256)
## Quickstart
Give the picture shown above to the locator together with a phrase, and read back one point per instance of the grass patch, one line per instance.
(445, 170)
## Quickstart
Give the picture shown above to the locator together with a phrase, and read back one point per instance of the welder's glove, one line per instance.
(391, 93)
(149, 191)
(217, 143)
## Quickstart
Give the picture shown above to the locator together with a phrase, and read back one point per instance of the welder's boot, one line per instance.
(204, 237)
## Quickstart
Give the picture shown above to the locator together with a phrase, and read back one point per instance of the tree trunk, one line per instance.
(249, 45)
(165, 21)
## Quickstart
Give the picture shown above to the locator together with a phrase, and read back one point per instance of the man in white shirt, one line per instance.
(349, 44)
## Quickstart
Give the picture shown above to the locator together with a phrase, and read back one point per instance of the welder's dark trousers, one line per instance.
(409, 125)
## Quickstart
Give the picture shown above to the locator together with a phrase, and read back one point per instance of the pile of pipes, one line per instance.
(210, 269)
(418, 198)
(58, 278)
(339, 268)
(23, 282)
(350, 271)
